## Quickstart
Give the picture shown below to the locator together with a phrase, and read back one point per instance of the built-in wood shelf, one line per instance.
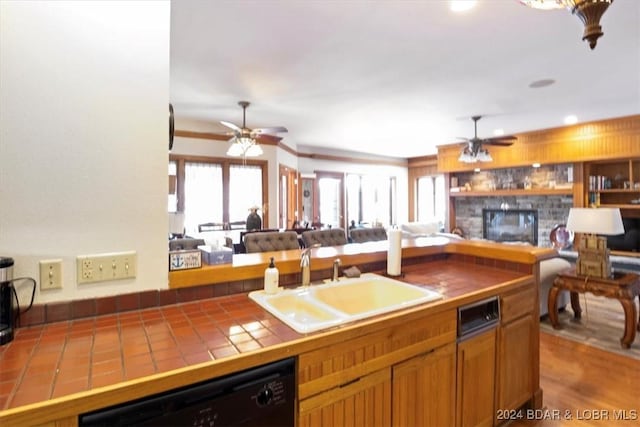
(627, 206)
(534, 192)
(616, 190)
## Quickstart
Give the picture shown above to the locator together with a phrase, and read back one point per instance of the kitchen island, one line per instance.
(374, 358)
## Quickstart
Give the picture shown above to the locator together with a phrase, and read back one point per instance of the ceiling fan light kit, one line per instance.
(467, 156)
(243, 143)
(475, 152)
(244, 147)
(589, 12)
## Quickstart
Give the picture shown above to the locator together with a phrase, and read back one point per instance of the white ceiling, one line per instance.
(397, 78)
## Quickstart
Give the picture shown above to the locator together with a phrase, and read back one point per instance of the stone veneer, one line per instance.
(548, 176)
(552, 210)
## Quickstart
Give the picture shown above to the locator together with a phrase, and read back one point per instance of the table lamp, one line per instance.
(593, 254)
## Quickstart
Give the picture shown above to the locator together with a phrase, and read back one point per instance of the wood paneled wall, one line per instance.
(598, 140)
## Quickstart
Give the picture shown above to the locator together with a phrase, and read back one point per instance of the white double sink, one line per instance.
(316, 307)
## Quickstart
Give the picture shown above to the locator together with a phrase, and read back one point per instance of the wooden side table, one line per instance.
(623, 286)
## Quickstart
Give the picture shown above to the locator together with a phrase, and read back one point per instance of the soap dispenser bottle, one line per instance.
(271, 278)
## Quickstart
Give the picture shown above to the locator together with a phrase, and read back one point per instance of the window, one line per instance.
(202, 195)
(329, 191)
(245, 190)
(211, 190)
(354, 199)
(431, 199)
(371, 199)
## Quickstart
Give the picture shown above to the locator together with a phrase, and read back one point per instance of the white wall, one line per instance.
(83, 138)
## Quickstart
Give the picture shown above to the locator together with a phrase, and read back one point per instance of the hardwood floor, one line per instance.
(585, 386)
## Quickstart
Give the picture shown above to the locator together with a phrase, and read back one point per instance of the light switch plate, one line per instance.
(50, 274)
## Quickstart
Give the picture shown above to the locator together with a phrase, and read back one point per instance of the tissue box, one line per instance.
(212, 255)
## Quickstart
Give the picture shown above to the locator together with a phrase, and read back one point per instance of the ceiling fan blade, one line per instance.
(503, 138)
(501, 141)
(230, 126)
(266, 138)
(270, 130)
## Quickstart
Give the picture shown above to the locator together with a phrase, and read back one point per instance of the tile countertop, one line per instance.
(59, 359)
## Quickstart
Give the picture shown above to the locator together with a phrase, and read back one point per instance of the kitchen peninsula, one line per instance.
(379, 360)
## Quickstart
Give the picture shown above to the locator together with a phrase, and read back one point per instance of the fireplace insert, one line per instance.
(510, 225)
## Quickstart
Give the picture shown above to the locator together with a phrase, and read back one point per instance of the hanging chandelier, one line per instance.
(589, 12)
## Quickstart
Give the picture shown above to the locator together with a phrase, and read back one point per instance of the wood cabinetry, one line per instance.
(496, 369)
(364, 402)
(614, 183)
(476, 380)
(515, 383)
(420, 394)
(352, 380)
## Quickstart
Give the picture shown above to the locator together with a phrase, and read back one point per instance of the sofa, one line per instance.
(327, 237)
(185, 244)
(271, 241)
(549, 269)
(361, 235)
(419, 229)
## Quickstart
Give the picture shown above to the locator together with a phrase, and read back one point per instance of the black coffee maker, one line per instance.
(9, 303)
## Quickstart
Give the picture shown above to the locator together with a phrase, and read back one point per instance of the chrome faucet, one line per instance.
(336, 270)
(305, 266)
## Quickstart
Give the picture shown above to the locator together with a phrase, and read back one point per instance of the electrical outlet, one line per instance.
(50, 274)
(104, 267)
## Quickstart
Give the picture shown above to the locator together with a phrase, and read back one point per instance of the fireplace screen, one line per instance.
(513, 225)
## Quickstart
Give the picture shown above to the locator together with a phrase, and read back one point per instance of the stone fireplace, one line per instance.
(552, 210)
(510, 225)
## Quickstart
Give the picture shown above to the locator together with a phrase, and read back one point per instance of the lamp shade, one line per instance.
(605, 221)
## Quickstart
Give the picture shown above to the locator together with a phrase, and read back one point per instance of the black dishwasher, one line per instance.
(262, 396)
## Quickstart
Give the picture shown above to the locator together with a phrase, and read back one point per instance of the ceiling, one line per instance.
(397, 78)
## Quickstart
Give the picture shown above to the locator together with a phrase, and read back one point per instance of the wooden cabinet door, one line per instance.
(364, 402)
(424, 389)
(476, 380)
(515, 361)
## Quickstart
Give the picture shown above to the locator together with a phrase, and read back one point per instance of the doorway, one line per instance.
(330, 190)
(288, 197)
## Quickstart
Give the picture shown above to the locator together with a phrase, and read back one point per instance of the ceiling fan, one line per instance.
(257, 133)
(474, 151)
